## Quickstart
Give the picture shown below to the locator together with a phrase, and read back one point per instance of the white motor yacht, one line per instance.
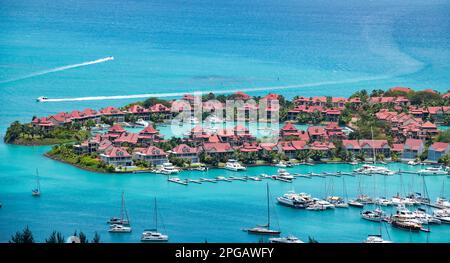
(282, 173)
(432, 171)
(443, 215)
(234, 165)
(168, 168)
(141, 122)
(371, 169)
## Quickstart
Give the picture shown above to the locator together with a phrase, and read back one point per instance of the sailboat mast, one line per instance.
(122, 208)
(373, 146)
(156, 216)
(268, 206)
(37, 181)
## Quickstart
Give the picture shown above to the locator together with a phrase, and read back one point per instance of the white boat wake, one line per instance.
(175, 94)
(39, 73)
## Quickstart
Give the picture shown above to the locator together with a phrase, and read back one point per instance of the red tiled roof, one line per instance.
(268, 146)
(149, 130)
(116, 128)
(217, 147)
(439, 146)
(183, 148)
(117, 152)
(288, 126)
(153, 151)
(414, 144)
(397, 147)
(377, 144)
(428, 125)
(353, 144)
(242, 95)
(127, 137)
(316, 130)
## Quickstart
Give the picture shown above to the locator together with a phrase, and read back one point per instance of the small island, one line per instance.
(395, 125)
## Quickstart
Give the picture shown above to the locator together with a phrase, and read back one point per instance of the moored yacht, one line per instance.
(296, 200)
(376, 239)
(152, 235)
(443, 215)
(168, 168)
(371, 169)
(288, 239)
(373, 215)
(234, 165)
(282, 173)
(117, 228)
(433, 171)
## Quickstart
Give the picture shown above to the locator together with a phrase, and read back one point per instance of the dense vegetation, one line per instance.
(26, 236)
(25, 134)
(91, 162)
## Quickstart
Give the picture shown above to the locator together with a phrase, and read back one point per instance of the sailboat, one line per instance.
(37, 191)
(264, 229)
(120, 225)
(152, 235)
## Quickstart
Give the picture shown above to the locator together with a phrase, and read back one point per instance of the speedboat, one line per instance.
(288, 239)
(234, 165)
(373, 215)
(376, 239)
(432, 171)
(42, 99)
(116, 228)
(168, 168)
(355, 203)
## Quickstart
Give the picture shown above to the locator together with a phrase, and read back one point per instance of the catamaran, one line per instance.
(288, 239)
(373, 239)
(234, 165)
(265, 229)
(37, 191)
(296, 200)
(152, 235)
(122, 221)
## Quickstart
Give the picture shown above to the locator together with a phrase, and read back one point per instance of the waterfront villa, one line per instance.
(186, 152)
(151, 155)
(117, 156)
(412, 149)
(436, 150)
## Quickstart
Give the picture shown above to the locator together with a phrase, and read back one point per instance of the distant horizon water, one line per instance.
(292, 47)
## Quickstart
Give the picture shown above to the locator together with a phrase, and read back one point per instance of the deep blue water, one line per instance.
(180, 46)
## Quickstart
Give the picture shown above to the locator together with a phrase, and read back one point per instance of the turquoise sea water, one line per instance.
(326, 47)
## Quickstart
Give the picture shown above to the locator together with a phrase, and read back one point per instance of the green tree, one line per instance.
(55, 237)
(26, 236)
(96, 238)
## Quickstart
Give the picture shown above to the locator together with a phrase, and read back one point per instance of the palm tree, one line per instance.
(26, 236)
(55, 237)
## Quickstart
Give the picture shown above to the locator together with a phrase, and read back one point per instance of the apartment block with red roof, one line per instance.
(217, 149)
(113, 113)
(149, 135)
(139, 111)
(317, 133)
(186, 152)
(379, 146)
(117, 156)
(437, 150)
(152, 155)
(412, 149)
